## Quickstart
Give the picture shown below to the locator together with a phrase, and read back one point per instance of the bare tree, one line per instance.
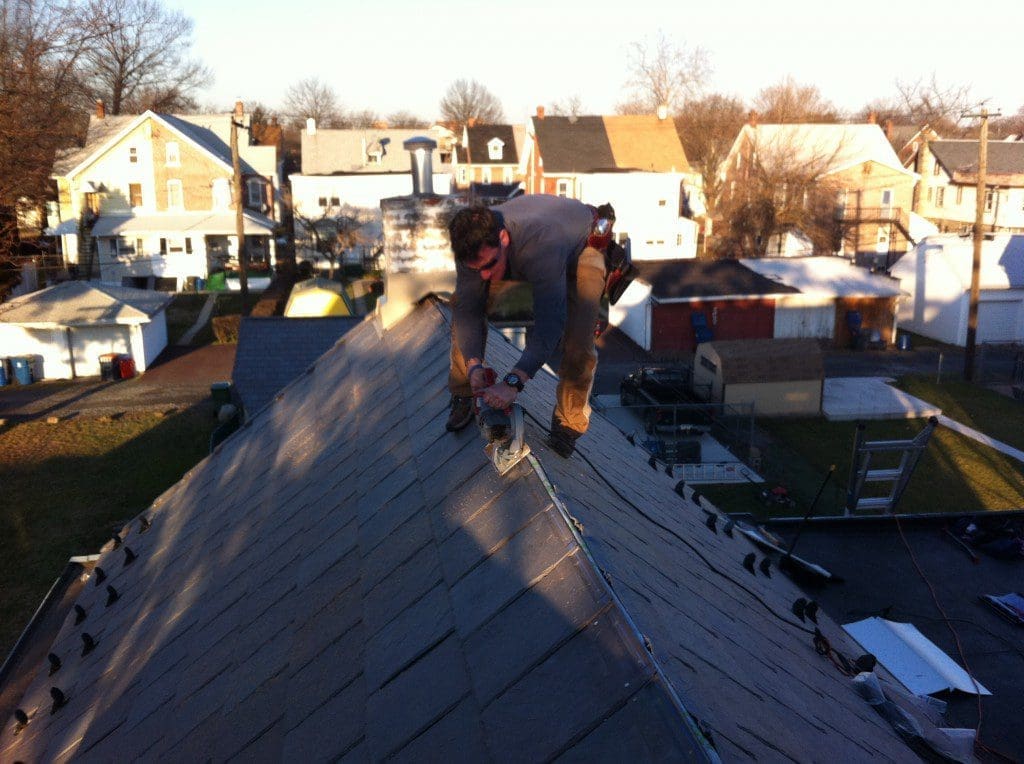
(782, 184)
(360, 119)
(1011, 126)
(707, 128)
(467, 100)
(927, 102)
(663, 72)
(404, 118)
(570, 106)
(141, 57)
(333, 233)
(312, 98)
(790, 101)
(41, 46)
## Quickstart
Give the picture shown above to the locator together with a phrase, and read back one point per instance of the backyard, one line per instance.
(956, 473)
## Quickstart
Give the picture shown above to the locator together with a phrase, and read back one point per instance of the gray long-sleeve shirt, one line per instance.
(547, 235)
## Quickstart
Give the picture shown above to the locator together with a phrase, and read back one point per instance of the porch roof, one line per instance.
(182, 222)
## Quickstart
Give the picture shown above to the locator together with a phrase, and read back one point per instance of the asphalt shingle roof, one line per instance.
(84, 303)
(676, 279)
(1004, 157)
(574, 144)
(481, 135)
(614, 143)
(272, 351)
(343, 579)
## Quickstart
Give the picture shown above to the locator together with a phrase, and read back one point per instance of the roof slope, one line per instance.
(481, 135)
(273, 351)
(1004, 157)
(1002, 260)
(331, 151)
(824, 275)
(84, 303)
(595, 144)
(828, 147)
(342, 578)
(690, 279)
(786, 359)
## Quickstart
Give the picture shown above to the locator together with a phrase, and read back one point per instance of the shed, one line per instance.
(829, 287)
(937, 277)
(68, 326)
(317, 297)
(782, 376)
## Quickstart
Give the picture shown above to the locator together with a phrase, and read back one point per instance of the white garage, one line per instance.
(937, 276)
(65, 328)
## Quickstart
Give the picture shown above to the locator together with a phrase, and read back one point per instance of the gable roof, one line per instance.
(108, 131)
(272, 351)
(328, 152)
(1005, 158)
(824, 275)
(344, 578)
(480, 136)
(594, 144)
(695, 279)
(951, 255)
(84, 303)
(835, 147)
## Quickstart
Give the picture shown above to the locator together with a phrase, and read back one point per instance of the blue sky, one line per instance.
(387, 56)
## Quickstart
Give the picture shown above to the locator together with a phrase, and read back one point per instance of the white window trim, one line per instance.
(174, 183)
(254, 199)
(563, 187)
(485, 175)
(495, 149)
(172, 154)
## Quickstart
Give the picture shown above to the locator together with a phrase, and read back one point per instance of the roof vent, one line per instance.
(420, 151)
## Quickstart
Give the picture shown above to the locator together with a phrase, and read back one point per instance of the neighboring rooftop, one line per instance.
(616, 143)
(832, 147)
(343, 578)
(1005, 159)
(769, 360)
(84, 303)
(824, 275)
(949, 257)
(273, 351)
(692, 279)
(480, 137)
(368, 150)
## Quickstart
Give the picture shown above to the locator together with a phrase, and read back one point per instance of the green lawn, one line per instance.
(68, 487)
(956, 474)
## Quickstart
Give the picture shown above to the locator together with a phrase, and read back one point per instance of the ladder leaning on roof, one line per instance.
(861, 472)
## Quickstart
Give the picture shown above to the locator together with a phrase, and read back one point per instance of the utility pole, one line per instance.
(236, 183)
(979, 235)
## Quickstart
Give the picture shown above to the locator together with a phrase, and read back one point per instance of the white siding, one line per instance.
(153, 338)
(1000, 320)
(89, 343)
(632, 314)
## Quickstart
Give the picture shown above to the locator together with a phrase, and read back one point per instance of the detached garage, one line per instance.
(937, 277)
(778, 377)
(67, 327)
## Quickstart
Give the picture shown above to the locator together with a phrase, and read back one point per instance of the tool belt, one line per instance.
(618, 266)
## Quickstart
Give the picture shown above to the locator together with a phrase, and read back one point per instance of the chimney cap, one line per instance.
(419, 142)
(752, 118)
(540, 112)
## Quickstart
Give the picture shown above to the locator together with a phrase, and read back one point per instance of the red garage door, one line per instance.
(672, 324)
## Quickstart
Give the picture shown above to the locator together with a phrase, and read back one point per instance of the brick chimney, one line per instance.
(888, 129)
(101, 109)
(752, 118)
(540, 112)
(239, 110)
(872, 117)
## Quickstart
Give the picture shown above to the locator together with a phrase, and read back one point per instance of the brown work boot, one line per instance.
(562, 440)
(461, 413)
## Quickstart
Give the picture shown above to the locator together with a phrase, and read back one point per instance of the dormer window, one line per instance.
(373, 157)
(172, 154)
(254, 187)
(495, 149)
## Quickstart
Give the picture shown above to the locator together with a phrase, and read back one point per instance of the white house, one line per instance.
(147, 201)
(67, 327)
(937, 277)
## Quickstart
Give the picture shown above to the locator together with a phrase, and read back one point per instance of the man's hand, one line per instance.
(481, 376)
(500, 396)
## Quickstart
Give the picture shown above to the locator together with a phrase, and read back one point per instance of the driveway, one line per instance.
(180, 377)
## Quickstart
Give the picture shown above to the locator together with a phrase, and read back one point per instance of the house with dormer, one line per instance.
(147, 200)
(636, 162)
(489, 154)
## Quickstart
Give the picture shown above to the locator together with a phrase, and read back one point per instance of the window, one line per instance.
(125, 246)
(188, 245)
(930, 190)
(495, 149)
(506, 175)
(940, 197)
(886, 200)
(661, 202)
(335, 201)
(221, 194)
(959, 194)
(990, 199)
(133, 155)
(562, 188)
(174, 196)
(462, 176)
(135, 194)
(936, 169)
(254, 190)
(163, 246)
(172, 154)
(679, 240)
(321, 202)
(486, 175)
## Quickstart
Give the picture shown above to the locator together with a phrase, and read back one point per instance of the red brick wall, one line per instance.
(672, 329)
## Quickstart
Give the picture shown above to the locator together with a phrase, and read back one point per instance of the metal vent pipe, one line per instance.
(420, 151)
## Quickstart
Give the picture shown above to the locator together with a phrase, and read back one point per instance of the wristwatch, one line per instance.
(512, 380)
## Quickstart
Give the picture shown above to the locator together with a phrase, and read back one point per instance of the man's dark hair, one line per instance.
(471, 228)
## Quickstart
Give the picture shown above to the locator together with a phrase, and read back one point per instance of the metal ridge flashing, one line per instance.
(642, 643)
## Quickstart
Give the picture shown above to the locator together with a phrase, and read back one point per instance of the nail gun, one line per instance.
(503, 429)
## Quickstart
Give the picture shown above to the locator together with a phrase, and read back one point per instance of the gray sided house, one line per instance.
(67, 327)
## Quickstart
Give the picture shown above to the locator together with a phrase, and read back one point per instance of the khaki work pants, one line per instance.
(579, 354)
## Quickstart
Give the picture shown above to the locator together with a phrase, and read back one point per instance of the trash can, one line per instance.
(200, 284)
(108, 367)
(21, 369)
(125, 366)
(218, 282)
(221, 393)
(4, 379)
(903, 342)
